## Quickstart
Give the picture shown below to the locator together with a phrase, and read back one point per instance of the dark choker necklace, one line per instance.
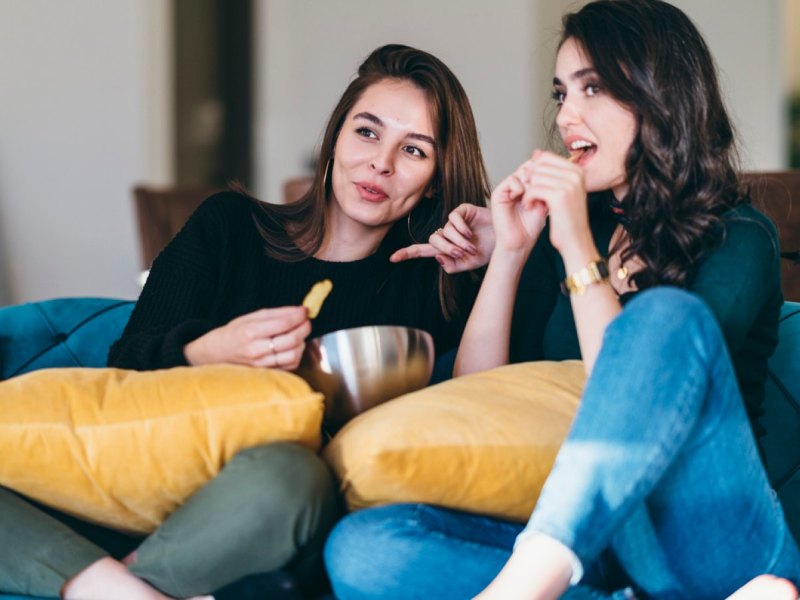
(617, 209)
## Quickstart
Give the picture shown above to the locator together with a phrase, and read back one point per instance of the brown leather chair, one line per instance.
(162, 212)
(777, 194)
(294, 189)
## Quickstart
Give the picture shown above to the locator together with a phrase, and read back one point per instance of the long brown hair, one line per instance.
(293, 232)
(682, 165)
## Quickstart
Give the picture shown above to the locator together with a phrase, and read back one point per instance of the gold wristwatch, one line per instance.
(595, 272)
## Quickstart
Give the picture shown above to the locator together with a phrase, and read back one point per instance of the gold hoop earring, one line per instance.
(408, 226)
(325, 175)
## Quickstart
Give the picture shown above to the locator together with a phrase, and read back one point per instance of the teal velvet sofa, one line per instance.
(65, 332)
(77, 332)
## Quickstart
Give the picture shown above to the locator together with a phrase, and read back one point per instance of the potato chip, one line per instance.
(316, 296)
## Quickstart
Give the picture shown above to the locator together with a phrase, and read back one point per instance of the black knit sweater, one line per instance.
(216, 269)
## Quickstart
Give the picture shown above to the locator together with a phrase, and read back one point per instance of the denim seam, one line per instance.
(416, 523)
(469, 543)
(779, 550)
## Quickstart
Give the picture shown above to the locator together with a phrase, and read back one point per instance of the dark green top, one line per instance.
(216, 269)
(739, 280)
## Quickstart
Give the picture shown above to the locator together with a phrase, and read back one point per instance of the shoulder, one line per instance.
(224, 204)
(748, 248)
(746, 226)
(223, 220)
(223, 212)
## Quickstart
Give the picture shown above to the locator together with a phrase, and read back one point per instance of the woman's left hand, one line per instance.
(464, 243)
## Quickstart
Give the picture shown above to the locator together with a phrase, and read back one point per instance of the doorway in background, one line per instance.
(213, 113)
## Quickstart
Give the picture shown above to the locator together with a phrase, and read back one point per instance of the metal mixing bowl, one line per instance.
(356, 369)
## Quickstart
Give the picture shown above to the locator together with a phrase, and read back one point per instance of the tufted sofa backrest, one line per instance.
(65, 332)
(782, 416)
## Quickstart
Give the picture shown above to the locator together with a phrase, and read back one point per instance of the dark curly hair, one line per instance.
(682, 167)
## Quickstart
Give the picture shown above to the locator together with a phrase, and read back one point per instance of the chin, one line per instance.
(368, 220)
(600, 186)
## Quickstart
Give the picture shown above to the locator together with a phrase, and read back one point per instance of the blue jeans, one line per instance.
(660, 472)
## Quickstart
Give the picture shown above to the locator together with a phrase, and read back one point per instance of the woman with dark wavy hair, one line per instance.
(400, 151)
(658, 490)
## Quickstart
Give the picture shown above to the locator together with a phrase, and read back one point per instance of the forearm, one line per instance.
(485, 342)
(595, 308)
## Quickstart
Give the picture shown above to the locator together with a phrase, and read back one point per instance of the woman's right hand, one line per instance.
(269, 337)
(464, 243)
(518, 216)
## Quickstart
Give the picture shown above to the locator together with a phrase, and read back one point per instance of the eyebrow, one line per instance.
(579, 74)
(374, 119)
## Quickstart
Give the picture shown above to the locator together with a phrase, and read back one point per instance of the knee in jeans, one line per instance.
(667, 308)
(667, 300)
(362, 551)
(344, 555)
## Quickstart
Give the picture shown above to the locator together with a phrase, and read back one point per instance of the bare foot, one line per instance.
(109, 578)
(766, 587)
(539, 569)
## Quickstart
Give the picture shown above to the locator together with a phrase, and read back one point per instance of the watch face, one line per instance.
(595, 272)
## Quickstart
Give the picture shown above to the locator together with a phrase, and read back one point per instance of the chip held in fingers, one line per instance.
(316, 296)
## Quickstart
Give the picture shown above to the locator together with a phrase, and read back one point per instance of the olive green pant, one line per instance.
(270, 507)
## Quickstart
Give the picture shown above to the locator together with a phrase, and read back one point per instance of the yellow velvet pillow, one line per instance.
(124, 448)
(483, 443)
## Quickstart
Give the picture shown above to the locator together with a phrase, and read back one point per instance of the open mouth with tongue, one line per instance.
(580, 150)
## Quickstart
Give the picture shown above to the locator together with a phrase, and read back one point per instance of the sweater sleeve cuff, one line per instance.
(172, 347)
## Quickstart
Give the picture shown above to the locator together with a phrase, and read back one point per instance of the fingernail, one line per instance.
(457, 253)
(472, 249)
(440, 260)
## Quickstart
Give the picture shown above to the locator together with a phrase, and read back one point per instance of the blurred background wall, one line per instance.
(99, 96)
(791, 37)
(84, 113)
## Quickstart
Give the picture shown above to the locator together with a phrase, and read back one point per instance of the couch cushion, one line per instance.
(66, 332)
(782, 416)
(124, 449)
(441, 445)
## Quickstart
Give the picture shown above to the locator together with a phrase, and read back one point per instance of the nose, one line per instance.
(568, 114)
(383, 161)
